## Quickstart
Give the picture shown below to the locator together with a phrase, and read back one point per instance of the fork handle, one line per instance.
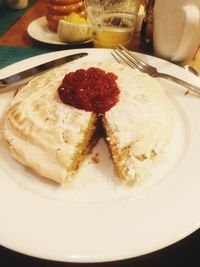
(189, 86)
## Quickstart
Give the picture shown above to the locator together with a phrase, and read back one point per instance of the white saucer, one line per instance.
(38, 30)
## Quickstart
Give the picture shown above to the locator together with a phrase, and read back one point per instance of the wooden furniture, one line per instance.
(17, 34)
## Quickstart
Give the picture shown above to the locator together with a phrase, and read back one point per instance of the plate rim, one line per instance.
(42, 19)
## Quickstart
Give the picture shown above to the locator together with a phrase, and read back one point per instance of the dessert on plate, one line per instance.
(53, 121)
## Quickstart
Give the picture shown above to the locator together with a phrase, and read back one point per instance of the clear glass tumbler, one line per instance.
(112, 22)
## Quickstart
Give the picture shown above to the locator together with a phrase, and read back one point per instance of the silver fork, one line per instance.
(122, 55)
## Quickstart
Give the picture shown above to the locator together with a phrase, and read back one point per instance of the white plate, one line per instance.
(94, 219)
(38, 30)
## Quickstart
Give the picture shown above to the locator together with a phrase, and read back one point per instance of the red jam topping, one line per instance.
(92, 90)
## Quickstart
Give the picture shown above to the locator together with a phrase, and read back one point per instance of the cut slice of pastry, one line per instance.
(52, 138)
(140, 126)
(44, 134)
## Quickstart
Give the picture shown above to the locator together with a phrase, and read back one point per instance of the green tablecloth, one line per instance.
(9, 16)
(12, 54)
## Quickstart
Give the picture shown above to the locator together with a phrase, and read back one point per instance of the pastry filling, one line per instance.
(92, 90)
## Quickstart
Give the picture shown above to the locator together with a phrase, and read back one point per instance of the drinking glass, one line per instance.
(112, 22)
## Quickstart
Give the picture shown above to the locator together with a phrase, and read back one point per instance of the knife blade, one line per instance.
(39, 69)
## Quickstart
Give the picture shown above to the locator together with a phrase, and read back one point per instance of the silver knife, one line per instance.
(39, 69)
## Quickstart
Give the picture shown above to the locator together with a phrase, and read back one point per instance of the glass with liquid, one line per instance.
(112, 22)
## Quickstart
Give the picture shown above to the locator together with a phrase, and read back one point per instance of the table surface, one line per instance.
(21, 38)
(183, 253)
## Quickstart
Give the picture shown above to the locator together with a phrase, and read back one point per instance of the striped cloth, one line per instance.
(12, 54)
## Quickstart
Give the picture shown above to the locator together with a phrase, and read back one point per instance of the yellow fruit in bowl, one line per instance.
(73, 28)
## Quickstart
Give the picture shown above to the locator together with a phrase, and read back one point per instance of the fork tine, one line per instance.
(116, 57)
(133, 57)
(121, 58)
(129, 60)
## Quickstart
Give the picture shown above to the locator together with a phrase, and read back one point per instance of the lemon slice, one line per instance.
(75, 18)
(73, 28)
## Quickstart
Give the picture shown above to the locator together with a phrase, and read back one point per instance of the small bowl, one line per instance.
(73, 32)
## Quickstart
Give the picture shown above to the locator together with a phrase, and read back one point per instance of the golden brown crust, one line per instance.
(44, 134)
